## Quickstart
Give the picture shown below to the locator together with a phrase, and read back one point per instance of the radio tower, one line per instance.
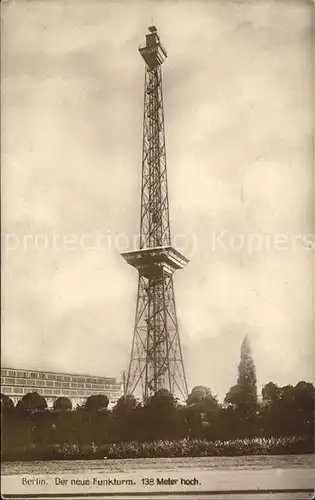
(156, 360)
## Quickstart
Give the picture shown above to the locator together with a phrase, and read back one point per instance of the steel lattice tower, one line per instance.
(156, 360)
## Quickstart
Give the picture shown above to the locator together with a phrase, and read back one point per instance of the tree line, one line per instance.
(281, 411)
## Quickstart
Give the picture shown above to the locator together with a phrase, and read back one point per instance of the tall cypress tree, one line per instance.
(246, 382)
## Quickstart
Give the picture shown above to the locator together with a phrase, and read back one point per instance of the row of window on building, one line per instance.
(65, 385)
(55, 392)
(6, 372)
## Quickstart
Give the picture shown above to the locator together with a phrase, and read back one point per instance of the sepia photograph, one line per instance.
(157, 249)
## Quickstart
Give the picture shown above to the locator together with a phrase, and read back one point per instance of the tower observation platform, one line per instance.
(153, 51)
(156, 360)
(154, 262)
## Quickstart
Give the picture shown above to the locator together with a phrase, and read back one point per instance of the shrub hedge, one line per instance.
(164, 449)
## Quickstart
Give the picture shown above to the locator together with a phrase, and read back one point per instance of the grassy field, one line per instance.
(252, 462)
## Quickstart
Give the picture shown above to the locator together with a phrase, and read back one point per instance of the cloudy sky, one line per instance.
(237, 95)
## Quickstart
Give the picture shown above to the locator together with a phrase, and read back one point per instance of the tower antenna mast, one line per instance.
(156, 360)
